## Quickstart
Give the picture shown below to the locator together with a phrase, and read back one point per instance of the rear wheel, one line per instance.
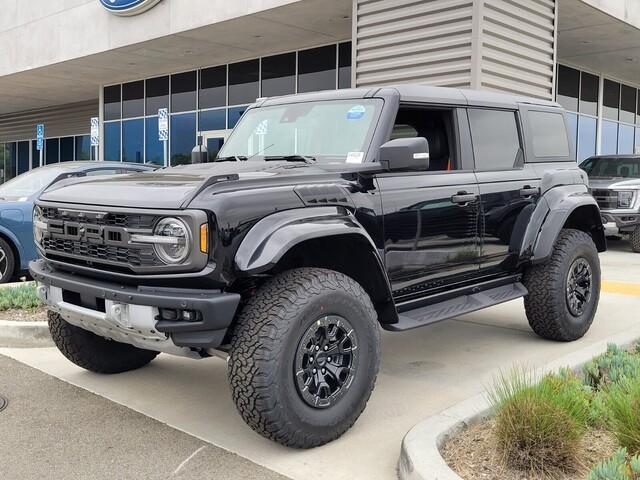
(565, 290)
(635, 239)
(304, 357)
(7, 262)
(94, 353)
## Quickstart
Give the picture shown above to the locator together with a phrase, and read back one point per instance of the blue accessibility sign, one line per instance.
(40, 136)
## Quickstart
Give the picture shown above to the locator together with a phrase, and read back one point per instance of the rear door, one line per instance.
(507, 184)
(431, 216)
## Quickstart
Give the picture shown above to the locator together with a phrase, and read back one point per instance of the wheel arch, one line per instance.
(323, 237)
(13, 243)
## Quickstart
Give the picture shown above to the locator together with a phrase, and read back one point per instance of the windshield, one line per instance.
(612, 167)
(329, 131)
(31, 182)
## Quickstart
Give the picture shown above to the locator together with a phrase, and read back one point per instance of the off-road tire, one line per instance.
(10, 262)
(263, 351)
(95, 353)
(546, 303)
(634, 238)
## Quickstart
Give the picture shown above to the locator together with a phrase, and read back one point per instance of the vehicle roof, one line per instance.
(617, 156)
(81, 165)
(417, 93)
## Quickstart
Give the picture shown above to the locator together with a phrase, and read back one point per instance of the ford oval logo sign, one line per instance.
(128, 7)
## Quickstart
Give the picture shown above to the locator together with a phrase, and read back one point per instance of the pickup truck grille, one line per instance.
(98, 239)
(607, 199)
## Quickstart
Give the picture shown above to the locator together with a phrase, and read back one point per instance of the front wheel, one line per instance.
(304, 357)
(7, 262)
(634, 238)
(564, 291)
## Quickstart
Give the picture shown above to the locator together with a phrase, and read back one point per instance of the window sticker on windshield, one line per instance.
(356, 112)
(262, 128)
(355, 157)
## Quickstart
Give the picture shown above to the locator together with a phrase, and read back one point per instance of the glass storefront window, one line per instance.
(66, 149)
(587, 127)
(589, 89)
(213, 120)
(9, 160)
(611, 100)
(572, 119)
(133, 141)
(234, 115)
(35, 154)
(213, 87)
(51, 151)
(112, 141)
(625, 139)
(243, 82)
(637, 144)
(628, 104)
(154, 147)
(317, 69)
(183, 91)
(157, 94)
(568, 87)
(609, 144)
(112, 102)
(344, 65)
(133, 99)
(183, 137)
(279, 75)
(23, 157)
(83, 147)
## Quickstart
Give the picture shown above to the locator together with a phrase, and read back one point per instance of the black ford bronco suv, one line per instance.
(326, 216)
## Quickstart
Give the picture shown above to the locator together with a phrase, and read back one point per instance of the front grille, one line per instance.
(98, 239)
(607, 199)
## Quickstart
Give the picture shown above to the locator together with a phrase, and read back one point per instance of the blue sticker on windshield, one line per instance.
(356, 112)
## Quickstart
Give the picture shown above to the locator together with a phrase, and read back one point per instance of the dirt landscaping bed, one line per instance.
(20, 315)
(561, 426)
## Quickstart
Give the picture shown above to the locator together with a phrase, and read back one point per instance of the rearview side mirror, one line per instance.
(405, 154)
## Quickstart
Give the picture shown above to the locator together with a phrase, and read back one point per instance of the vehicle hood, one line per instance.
(174, 188)
(617, 183)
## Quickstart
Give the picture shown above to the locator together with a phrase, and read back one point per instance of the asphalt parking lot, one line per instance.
(423, 372)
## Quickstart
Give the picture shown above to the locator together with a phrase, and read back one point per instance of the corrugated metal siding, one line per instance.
(60, 121)
(419, 41)
(517, 45)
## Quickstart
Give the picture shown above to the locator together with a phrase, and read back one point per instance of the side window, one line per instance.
(103, 171)
(549, 134)
(436, 125)
(496, 140)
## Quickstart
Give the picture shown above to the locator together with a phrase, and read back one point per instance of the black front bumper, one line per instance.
(624, 222)
(217, 308)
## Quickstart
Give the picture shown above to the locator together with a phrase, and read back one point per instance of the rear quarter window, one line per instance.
(549, 135)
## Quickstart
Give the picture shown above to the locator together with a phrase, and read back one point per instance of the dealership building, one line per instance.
(123, 61)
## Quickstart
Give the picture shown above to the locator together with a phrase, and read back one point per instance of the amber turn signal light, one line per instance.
(204, 238)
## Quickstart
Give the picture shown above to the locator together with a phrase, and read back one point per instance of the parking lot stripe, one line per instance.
(621, 288)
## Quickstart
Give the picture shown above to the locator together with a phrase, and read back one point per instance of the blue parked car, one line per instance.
(17, 248)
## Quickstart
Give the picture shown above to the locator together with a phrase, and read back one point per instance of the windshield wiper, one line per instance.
(292, 158)
(231, 158)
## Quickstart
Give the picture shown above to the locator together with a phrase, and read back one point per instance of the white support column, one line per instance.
(600, 115)
(101, 117)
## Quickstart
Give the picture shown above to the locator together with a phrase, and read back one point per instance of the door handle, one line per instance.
(528, 191)
(462, 198)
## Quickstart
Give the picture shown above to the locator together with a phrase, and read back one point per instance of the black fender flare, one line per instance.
(273, 236)
(551, 213)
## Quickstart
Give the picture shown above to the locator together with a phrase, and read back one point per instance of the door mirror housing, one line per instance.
(405, 154)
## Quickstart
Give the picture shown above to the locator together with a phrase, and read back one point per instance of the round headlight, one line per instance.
(38, 224)
(177, 246)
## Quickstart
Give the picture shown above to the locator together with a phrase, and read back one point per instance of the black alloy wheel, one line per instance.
(326, 361)
(579, 286)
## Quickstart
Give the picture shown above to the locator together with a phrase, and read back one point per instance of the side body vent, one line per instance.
(315, 195)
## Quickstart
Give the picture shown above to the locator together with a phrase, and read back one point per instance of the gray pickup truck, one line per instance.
(615, 183)
(325, 217)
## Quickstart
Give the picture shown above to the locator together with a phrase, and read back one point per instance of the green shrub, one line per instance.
(623, 405)
(612, 367)
(540, 424)
(618, 467)
(20, 297)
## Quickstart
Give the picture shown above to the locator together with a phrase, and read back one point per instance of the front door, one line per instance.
(431, 217)
(213, 140)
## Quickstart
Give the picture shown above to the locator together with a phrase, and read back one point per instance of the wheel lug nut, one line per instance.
(326, 348)
(324, 371)
(315, 371)
(311, 359)
(317, 347)
(328, 359)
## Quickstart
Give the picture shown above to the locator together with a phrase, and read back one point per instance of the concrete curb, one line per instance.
(420, 457)
(24, 334)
